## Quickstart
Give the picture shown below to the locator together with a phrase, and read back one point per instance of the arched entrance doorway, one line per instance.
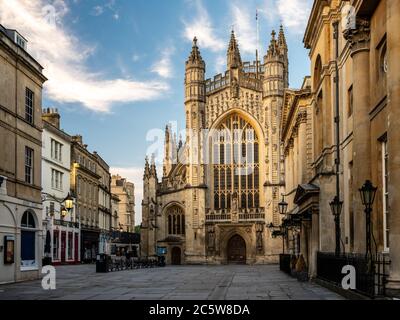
(236, 250)
(176, 256)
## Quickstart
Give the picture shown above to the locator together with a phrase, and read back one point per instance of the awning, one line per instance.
(304, 192)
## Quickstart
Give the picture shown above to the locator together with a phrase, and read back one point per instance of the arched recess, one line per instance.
(241, 176)
(29, 225)
(227, 235)
(236, 250)
(175, 220)
(317, 73)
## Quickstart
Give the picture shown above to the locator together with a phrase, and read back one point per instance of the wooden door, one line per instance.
(176, 256)
(236, 250)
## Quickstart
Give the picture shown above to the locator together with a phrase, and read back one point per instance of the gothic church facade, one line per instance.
(219, 191)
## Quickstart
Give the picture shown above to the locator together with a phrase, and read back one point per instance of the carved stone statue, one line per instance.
(235, 88)
(211, 238)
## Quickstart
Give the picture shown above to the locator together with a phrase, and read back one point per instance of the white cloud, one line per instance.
(64, 58)
(220, 63)
(136, 57)
(97, 11)
(245, 28)
(201, 27)
(163, 67)
(135, 175)
(293, 14)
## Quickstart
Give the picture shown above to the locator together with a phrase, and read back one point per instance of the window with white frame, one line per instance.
(385, 196)
(28, 165)
(56, 179)
(56, 150)
(29, 105)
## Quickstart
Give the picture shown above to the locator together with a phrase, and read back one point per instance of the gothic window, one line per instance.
(176, 221)
(235, 163)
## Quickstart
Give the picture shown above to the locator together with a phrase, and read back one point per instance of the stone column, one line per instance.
(393, 86)
(359, 40)
(302, 160)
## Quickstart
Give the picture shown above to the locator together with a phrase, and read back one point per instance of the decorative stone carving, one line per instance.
(359, 37)
(235, 209)
(234, 88)
(259, 237)
(211, 238)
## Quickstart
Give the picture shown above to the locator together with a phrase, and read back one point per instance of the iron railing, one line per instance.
(122, 263)
(371, 274)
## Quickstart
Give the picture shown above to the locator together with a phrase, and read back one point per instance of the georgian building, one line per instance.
(296, 127)
(115, 223)
(104, 203)
(124, 204)
(221, 188)
(85, 186)
(60, 225)
(366, 50)
(21, 84)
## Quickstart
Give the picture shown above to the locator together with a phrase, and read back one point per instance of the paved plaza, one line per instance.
(228, 282)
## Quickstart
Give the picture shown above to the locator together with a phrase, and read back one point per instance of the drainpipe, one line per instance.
(337, 123)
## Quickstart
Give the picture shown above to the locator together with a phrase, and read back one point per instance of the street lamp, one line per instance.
(283, 205)
(336, 207)
(63, 212)
(367, 193)
(69, 202)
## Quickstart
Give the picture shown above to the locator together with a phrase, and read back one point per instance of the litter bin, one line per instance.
(102, 263)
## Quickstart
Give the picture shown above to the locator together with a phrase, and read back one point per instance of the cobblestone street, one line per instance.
(228, 282)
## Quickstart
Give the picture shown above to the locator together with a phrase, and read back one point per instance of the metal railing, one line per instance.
(122, 263)
(371, 274)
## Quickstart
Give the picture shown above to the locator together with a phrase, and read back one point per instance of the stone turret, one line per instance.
(167, 165)
(275, 81)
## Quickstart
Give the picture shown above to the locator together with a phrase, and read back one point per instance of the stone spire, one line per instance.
(273, 46)
(234, 59)
(167, 152)
(282, 39)
(195, 56)
(146, 169)
(153, 169)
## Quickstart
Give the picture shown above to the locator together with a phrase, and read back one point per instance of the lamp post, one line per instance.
(367, 193)
(336, 207)
(283, 205)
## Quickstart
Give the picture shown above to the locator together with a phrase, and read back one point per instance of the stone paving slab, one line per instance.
(227, 282)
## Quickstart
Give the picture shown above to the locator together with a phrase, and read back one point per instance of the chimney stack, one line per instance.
(51, 116)
(77, 138)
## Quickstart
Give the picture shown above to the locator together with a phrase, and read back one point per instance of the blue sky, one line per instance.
(116, 67)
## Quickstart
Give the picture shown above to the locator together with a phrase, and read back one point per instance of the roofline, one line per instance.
(311, 21)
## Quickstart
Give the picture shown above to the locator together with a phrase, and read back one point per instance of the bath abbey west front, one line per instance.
(220, 189)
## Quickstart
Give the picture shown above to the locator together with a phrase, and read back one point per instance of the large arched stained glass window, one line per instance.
(175, 221)
(235, 164)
